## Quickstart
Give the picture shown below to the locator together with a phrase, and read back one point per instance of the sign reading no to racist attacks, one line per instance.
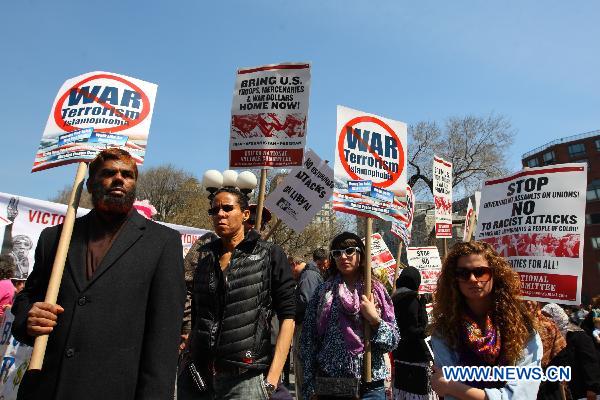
(370, 148)
(269, 116)
(95, 111)
(536, 220)
(427, 261)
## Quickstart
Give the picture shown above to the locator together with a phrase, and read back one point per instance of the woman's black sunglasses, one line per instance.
(482, 274)
(226, 207)
(349, 251)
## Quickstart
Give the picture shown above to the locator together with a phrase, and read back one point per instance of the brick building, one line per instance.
(579, 148)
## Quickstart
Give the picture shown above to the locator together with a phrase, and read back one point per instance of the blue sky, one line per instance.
(535, 62)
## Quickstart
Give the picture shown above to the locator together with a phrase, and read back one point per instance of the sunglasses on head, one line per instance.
(482, 274)
(349, 251)
(225, 207)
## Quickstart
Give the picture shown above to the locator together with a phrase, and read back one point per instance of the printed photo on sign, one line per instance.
(303, 192)
(95, 111)
(442, 197)
(382, 260)
(536, 219)
(370, 148)
(269, 116)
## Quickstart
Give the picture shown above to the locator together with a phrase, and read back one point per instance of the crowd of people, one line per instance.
(133, 318)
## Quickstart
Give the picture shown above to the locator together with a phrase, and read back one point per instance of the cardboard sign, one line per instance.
(370, 148)
(382, 259)
(536, 219)
(95, 111)
(404, 230)
(427, 261)
(269, 116)
(442, 197)
(302, 193)
(30, 216)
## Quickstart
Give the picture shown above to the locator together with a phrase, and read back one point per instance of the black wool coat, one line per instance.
(118, 336)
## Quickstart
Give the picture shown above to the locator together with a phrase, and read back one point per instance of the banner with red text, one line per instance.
(29, 217)
(536, 219)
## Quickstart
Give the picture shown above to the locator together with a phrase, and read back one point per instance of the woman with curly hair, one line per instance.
(480, 320)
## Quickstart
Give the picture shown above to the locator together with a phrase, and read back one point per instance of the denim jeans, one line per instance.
(372, 391)
(247, 386)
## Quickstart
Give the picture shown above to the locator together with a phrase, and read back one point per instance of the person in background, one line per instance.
(308, 280)
(331, 342)
(321, 260)
(479, 320)
(553, 344)
(7, 289)
(580, 353)
(412, 358)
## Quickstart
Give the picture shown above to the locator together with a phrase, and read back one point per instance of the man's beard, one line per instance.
(104, 202)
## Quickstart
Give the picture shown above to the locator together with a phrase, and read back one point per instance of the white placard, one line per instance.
(427, 261)
(442, 197)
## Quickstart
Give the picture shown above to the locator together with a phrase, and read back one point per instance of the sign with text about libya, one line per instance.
(442, 197)
(95, 111)
(427, 261)
(536, 220)
(302, 193)
(370, 148)
(29, 217)
(269, 116)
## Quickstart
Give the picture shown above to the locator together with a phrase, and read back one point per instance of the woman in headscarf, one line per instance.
(580, 355)
(479, 320)
(412, 359)
(332, 342)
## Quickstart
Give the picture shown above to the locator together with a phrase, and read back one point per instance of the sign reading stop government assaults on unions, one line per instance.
(427, 261)
(302, 193)
(442, 197)
(536, 219)
(95, 111)
(269, 116)
(370, 148)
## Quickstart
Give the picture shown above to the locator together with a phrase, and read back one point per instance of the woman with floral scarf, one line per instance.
(331, 343)
(480, 320)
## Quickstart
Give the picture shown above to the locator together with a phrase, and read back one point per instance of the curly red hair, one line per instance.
(512, 318)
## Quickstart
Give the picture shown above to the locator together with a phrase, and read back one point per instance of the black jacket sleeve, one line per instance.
(282, 285)
(307, 284)
(585, 354)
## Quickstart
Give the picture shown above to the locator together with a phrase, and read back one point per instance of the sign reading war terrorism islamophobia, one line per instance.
(269, 116)
(95, 111)
(302, 193)
(536, 219)
(370, 148)
(442, 197)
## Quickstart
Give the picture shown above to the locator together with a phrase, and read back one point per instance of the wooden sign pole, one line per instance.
(39, 348)
(367, 292)
(397, 268)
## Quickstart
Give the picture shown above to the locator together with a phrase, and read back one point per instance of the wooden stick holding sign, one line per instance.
(41, 342)
(367, 291)
(397, 268)
(261, 198)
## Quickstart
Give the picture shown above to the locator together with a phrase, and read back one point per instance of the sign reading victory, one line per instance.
(269, 116)
(370, 148)
(536, 219)
(95, 111)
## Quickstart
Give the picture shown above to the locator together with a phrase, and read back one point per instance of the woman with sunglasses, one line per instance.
(479, 320)
(331, 343)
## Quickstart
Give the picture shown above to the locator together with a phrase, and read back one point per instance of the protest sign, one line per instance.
(15, 359)
(370, 148)
(468, 216)
(427, 261)
(442, 197)
(382, 260)
(30, 216)
(536, 219)
(302, 193)
(404, 230)
(95, 111)
(269, 116)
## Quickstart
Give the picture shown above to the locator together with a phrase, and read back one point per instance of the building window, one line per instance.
(533, 162)
(593, 190)
(592, 219)
(549, 157)
(597, 144)
(596, 242)
(576, 150)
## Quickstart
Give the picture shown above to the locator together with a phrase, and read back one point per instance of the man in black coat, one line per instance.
(115, 330)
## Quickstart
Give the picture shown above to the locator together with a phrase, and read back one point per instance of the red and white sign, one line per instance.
(442, 197)
(468, 216)
(427, 261)
(404, 230)
(269, 116)
(370, 148)
(95, 111)
(382, 260)
(536, 219)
